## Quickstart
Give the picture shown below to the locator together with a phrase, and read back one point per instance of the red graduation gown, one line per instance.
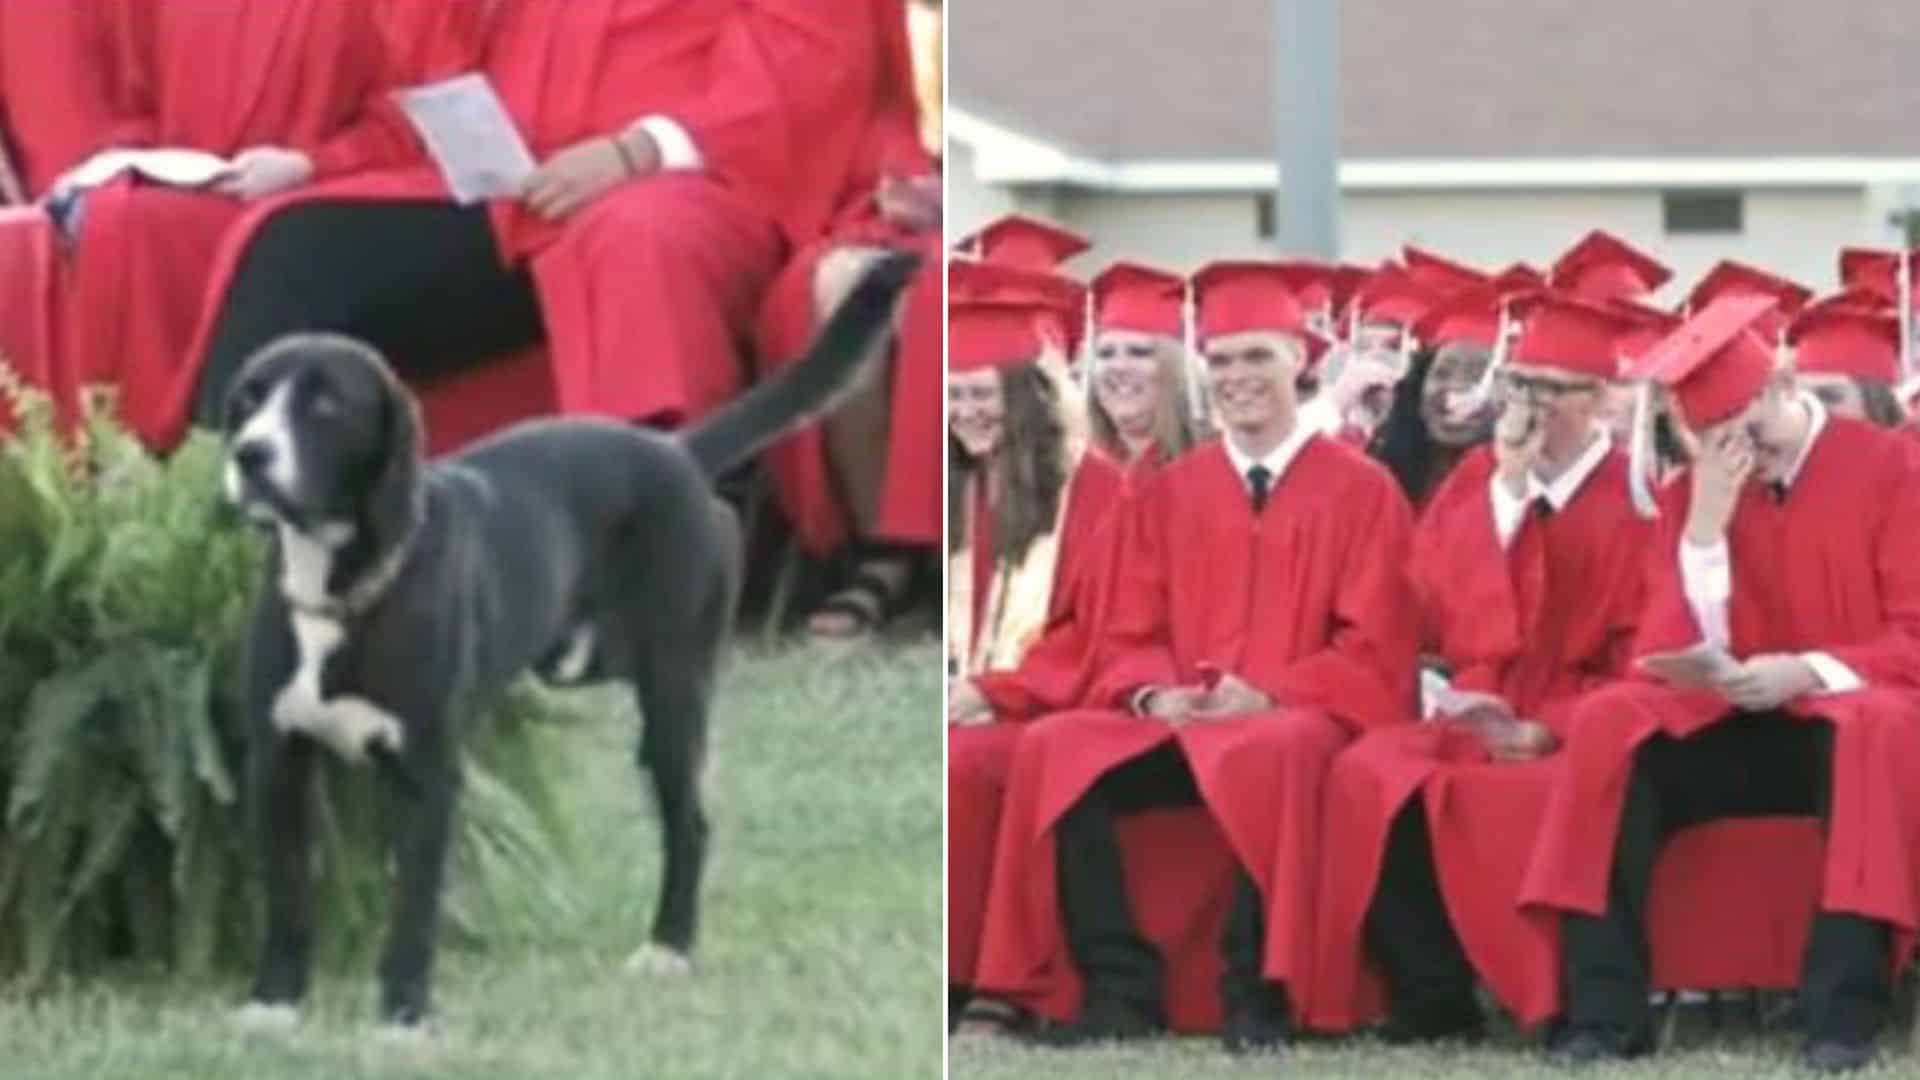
(648, 292)
(1052, 675)
(1305, 602)
(56, 87)
(1539, 623)
(909, 508)
(220, 76)
(1831, 568)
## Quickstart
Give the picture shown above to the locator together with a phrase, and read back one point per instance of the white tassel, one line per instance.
(1906, 312)
(1477, 397)
(1640, 453)
(1085, 367)
(1190, 355)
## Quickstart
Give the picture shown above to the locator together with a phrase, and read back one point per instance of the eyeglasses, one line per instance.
(1539, 391)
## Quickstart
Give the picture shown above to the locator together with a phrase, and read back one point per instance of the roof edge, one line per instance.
(1006, 155)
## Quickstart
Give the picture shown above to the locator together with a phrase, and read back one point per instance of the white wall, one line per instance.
(1794, 232)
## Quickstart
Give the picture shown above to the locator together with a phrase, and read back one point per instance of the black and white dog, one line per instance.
(402, 597)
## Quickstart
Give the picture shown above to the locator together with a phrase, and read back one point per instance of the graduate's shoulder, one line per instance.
(1347, 468)
(1860, 442)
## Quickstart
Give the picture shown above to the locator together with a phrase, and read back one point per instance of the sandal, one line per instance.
(868, 601)
(987, 1018)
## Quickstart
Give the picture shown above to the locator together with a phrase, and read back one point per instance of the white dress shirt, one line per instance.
(677, 150)
(1509, 511)
(1277, 462)
(1706, 573)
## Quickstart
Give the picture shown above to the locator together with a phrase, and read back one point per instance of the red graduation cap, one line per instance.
(1440, 275)
(1604, 267)
(1878, 272)
(1519, 278)
(1026, 242)
(1130, 296)
(1391, 294)
(1642, 326)
(1234, 297)
(1570, 334)
(1008, 315)
(1345, 280)
(1729, 278)
(1850, 334)
(1715, 364)
(1470, 317)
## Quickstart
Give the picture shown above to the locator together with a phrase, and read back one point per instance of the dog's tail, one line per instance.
(813, 385)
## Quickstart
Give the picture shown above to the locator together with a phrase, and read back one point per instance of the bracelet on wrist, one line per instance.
(626, 155)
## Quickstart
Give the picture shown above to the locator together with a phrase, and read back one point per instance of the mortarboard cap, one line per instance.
(1025, 242)
(1851, 334)
(1604, 267)
(1238, 296)
(1715, 364)
(1130, 296)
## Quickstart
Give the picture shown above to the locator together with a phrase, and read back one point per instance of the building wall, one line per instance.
(1795, 232)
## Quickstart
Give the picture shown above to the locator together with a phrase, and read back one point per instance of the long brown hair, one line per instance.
(1174, 428)
(1033, 467)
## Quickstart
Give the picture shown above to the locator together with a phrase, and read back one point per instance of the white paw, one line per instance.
(402, 1036)
(261, 1016)
(654, 958)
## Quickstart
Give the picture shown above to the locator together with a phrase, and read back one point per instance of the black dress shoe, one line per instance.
(1256, 1029)
(1593, 1045)
(1830, 1056)
(1403, 1029)
(1102, 1019)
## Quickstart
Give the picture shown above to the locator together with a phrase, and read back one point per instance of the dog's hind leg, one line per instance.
(424, 832)
(675, 691)
(282, 774)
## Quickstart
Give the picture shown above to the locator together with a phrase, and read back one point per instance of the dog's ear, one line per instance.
(394, 502)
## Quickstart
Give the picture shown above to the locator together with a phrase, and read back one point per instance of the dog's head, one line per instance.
(321, 437)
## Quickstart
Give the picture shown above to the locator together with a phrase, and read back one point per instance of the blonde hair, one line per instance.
(1174, 428)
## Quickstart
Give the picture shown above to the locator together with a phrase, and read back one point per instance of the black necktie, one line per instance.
(1542, 508)
(1778, 489)
(1259, 481)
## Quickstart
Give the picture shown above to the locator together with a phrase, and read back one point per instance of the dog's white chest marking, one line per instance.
(350, 726)
(579, 655)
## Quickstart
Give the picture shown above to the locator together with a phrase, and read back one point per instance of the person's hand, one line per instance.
(910, 202)
(261, 171)
(1769, 681)
(1233, 696)
(1364, 372)
(585, 171)
(1720, 470)
(1518, 740)
(1174, 704)
(1517, 439)
(966, 705)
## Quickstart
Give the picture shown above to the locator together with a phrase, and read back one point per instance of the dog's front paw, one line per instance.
(409, 1037)
(266, 1016)
(654, 958)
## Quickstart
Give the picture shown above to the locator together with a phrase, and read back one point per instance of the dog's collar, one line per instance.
(366, 591)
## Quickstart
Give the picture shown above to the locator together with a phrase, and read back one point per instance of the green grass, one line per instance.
(820, 951)
(1739, 1051)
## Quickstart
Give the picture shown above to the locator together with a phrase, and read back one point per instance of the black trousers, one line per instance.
(1429, 978)
(1749, 764)
(1106, 945)
(421, 281)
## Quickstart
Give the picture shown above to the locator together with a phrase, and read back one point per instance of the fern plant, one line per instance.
(124, 587)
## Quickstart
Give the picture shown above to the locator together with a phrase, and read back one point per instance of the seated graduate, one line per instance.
(1145, 412)
(1258, 623)
(989, 706)
(1527, 569)
(1784, 559)
(1846, 352)
(877, 513)
(664, 199)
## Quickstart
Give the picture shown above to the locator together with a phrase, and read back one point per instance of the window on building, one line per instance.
(1703, 212)
(1266, 216)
